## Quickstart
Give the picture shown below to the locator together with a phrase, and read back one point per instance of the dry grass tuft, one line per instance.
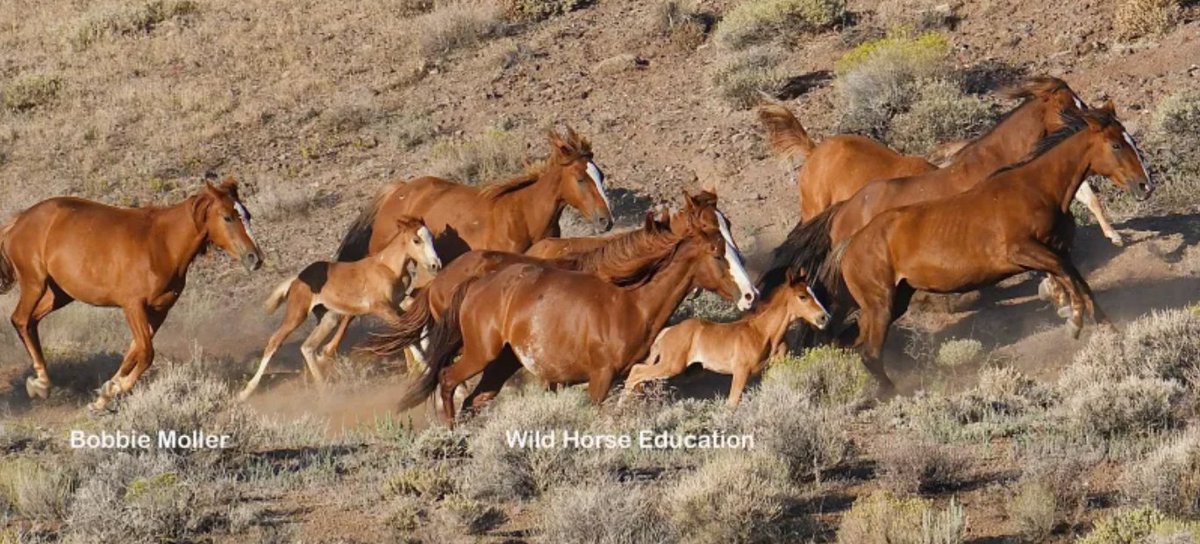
(493, 156)
(827, 375)
(883, 518)
(731, 498)
(30, 91)
(539, 10)
(740, 77)
(683, 23)
(1135, 526)
(1137, 18)
(604, 513)
(912, 465)
(129, 20)
(958, 352)
(941, 113)
(455, 26)
(755, 22)
(919, 15)
(1168, 478)
(1034, 511)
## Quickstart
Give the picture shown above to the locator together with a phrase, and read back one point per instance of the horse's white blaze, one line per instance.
(740, 277)
(817, 300)
(431, 256)
(1078, 102)
(244, 217)
(1138, 152)
(598, 179)
(727, 234)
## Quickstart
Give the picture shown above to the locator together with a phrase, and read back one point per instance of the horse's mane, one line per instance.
(1035, 88)
(628, 258)
(525, 179)
(1073, 122)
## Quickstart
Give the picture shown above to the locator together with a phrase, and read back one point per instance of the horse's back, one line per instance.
(842, 165)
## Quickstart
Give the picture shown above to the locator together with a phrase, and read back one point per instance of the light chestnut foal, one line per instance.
(741, 348)
(330, 290)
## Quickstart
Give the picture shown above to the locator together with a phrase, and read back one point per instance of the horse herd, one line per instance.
(495, 289)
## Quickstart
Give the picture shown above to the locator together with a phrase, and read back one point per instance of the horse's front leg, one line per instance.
(1087, 196)
(143, 324)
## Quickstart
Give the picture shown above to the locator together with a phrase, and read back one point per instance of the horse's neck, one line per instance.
(658, 298)
(771, 321)
(1005, 144)
(1058, 172)
(394, 257)
(535, 209)
(176, 227)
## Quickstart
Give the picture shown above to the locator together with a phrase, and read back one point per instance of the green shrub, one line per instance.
(1136, 526)
(740, 76)
(1132, 406)
(761, 21)
(882, 518)
(880, 79)
(941, 113)
(955, 353)
(731, 498)
(911, 465)
(30, 91)
(828, 375)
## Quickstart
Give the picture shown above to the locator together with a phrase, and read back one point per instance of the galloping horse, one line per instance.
(567, 327)
(332, 290)
(1045, 102)
(1019, 219)
(66, 249)
(507, 216)
(741, 348)
(853, 168)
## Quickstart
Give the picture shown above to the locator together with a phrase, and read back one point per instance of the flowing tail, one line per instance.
(806, 249)
(8, 273)
(404, 332)
(357, 242)
(445, 341)
(272, 303)
(785, 134)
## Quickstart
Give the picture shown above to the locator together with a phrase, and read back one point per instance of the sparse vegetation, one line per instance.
(1168, 478)
(682, 22)
(1033, 510)
(30, 91)
(1134, 526)
(604, 513)
(763, 21)
(828, 375)
(732, 498)
(741, 76)
(129, 19)
(1136, 18)
(941, 113)
(538, 10)
(493, 156)
(919, 465)
(883, 518)
(456, 25)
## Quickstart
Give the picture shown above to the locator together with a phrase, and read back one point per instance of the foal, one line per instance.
(335, 289)
(740, 348)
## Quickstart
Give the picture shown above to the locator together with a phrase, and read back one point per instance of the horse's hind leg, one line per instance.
(331, 348)
(309, 348)
(477, 354)
(35, 304)
(494, 377)
(1089, 300)
(297, 312)
(877, 306)
(1034, 256)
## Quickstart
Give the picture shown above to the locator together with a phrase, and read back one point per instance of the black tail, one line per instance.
(806, 248)
(445, 341)
(357, 242)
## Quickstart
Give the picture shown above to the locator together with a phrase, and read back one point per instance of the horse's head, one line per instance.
(416, 242)
(701, 215)
(220, 214)
(802, 303)
(1117, 156)
(581, 183)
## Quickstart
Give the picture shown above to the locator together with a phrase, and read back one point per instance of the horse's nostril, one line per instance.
(748, 296)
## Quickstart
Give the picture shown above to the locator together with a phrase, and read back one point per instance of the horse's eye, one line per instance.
(417, 240)
(1116, 146)
(228, 218)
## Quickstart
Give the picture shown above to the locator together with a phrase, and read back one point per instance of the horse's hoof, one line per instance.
(1064, 312)
(1117, 240)
(100, 407)
(110, 389)
(1044, 290)
(36, 389)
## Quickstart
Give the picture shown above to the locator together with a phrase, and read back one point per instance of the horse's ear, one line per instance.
(229, 184)
(791, 276)
(1109, 107)
(650, 223)
(1093, 122)
(689, 199)
(561, 147)
(201, 204)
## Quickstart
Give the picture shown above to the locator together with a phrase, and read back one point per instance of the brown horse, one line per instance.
(66, 249)
(741, 348)
(852, 166)
(508, 216)
(332, 290)
(621, 260)
(1046, 100)
(1017, 220)
(566, 327)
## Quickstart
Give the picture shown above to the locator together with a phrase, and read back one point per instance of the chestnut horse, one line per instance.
(565, 327)
(741, 348)
(853, 166)
(1018, 220)
(331, 290)
(1046, 100)
(507, 216)
(66, 249)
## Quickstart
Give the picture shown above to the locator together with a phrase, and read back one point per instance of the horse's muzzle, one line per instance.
(604, 223)
(252, 261)
(1141, 190)
(822, 321)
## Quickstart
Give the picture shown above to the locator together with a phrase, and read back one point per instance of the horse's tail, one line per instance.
(830, 274)
(272, 303)
(357, 242)
(445, 341)
(8, 273)
(785, 134)
(405, 331)
(806, 248)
